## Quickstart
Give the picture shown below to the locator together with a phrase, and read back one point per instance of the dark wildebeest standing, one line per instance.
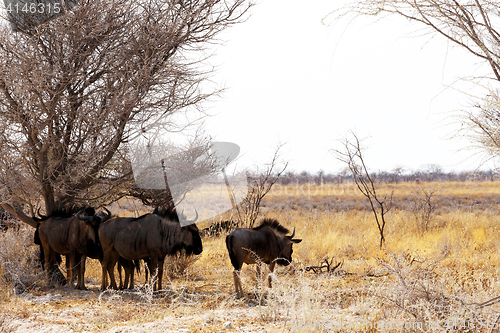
(266, 243)
(74, 236)
(149, 236)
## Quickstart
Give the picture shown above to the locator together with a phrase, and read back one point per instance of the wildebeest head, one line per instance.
(88, 215)
(285, 257)
(190, 237)
(94, 221)
(191, 240)
(106, 217)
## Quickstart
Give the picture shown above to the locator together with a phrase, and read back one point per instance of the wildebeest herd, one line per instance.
(124, 241)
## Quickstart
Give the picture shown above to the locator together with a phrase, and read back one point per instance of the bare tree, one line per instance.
(165, 172)
(472, 25)
(75, 89)
(380, 205)
(259, 186)
(424, 206)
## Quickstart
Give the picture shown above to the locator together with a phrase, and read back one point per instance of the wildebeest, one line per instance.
(74, 236)
(266, 243)
(149, 236)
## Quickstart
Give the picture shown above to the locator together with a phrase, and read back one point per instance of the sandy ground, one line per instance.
(68, 311)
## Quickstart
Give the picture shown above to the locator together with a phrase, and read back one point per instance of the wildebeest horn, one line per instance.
(108, 215)
(293, 233)
(84, 218)
(40, 214)
(193, 220)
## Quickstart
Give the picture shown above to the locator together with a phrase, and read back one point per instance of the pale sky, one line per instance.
(292, 79)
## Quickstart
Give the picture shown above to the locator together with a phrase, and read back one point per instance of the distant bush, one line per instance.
(431, 174)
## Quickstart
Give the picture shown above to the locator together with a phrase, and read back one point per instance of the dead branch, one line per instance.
(327, 265)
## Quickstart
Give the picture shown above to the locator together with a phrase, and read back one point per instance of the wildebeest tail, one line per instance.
(137, 264)
(41, 255)
(232, 256)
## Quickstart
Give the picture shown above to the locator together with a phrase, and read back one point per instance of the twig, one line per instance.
(326, 265)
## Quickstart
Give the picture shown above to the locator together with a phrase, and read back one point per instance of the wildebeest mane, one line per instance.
(133, 219)
(273, 224)
(67, 212)
(168, 213)
(172, 216)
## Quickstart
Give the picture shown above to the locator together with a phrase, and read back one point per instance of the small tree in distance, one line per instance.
(258, 187)
(380, 205)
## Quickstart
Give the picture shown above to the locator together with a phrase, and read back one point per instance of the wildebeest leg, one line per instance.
(111, 273)
(119, 268)
(81, 272)
(104, 275)
(104, 269)
(69, 268)
(77, 266)
(105, 281)
(259, 275)
(50, 258)
(271, 269)
(147, 268)
(154, 272)
(131, 277)
(128, 268)
(160, 272)
(108, 266)
(126, 271)
(134, 266)
(75, 263)
(237, 283)
(56, 276)
(111, 270)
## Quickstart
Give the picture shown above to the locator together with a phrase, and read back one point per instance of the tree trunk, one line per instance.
(48, 198)
(20, 215)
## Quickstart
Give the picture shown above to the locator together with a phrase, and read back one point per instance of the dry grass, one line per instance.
(429, 280)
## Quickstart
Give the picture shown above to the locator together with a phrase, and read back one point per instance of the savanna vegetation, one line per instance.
(77, 89)
(438, 268)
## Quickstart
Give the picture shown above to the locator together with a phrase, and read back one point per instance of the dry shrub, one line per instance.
(295, 297)
(419, 293)
(5, 324)
(424, 207)
(178, 265)
(406, 293)
(19, 261)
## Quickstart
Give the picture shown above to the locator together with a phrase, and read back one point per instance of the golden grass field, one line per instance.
(434, 278)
